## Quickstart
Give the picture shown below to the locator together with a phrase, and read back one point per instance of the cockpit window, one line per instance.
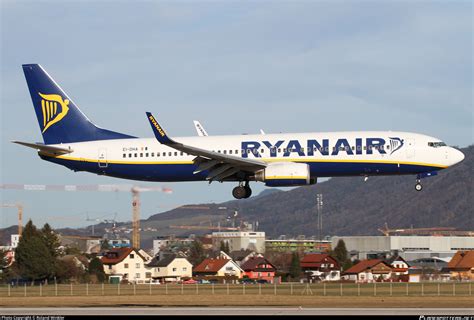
(436, 144)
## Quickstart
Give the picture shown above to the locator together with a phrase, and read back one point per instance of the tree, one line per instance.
(225, 247)
(341, 255)
(33, 257)
(196, 253)
(295, 267)
(104, 245)
(51, 240)
(96, 268)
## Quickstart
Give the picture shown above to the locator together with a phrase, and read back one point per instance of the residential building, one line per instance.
(161, 243)
(368, 271)
(461, 266)
(221, 267)
(240, 240)
(407, 247)
(170, 268)
(127, 264)
(398, 264)
(320, 267)
(242, 256)
(259, 268)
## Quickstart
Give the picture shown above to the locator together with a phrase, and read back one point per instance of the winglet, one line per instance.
(159, 132)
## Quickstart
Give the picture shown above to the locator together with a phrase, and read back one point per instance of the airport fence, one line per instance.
(315, 289)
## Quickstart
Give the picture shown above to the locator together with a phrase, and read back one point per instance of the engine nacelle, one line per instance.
(284, 174)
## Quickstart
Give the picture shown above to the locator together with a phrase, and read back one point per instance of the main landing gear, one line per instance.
(242, 191)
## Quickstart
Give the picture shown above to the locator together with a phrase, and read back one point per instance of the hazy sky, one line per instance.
(235, 66)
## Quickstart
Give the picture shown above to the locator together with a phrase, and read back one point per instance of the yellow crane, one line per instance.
(19, 207)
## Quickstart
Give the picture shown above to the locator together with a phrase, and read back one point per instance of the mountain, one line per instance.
(351, 207)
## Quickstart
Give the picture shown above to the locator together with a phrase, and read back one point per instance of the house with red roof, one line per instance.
(368, 271)
(399, 265)
(321, 267)
(259, 268)
(126, 264)
(461, 266)
(220, 267)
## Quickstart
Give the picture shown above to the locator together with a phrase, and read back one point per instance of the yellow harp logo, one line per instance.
(54, 109)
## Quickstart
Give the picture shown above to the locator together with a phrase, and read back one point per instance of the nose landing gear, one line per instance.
(242, 191)
(418, 186)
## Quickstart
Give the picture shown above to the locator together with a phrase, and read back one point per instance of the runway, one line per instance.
(235, 311)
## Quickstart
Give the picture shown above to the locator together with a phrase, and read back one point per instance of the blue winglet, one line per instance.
(159, 132)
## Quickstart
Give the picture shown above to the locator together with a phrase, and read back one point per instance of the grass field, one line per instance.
(425, 295)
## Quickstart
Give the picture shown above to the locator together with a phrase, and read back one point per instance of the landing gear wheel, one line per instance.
(418, 187)
(248, 192)
(239, 192)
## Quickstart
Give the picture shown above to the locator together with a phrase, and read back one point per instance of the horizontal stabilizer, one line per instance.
(45, 148)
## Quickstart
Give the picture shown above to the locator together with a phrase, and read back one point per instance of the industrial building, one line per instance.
(408, 247)
(240, 240)
(297, 245)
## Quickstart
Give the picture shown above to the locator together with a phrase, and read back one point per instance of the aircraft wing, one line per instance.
(220, 166)
(45, 148)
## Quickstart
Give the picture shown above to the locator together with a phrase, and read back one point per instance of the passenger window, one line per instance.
(141, 155)
(225, 151)
(263, 151)
(146, 148)
(152, 154)
(236, 151)
(230, 151)
(124, 155)
(182, 153)
(175, 154)
(279, 150)
(129, 155)
(136, 155)
(157, 154)
(146, 155)
(170, 154)
(353, 148)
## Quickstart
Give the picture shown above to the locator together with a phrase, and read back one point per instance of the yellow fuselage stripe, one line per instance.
(265, 160)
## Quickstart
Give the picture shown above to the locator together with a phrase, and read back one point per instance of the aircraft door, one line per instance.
(102, 159)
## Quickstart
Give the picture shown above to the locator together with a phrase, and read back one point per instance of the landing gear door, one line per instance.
(410, 148)
(102, 159)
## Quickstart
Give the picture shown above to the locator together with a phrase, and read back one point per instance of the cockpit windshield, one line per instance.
(436, 144)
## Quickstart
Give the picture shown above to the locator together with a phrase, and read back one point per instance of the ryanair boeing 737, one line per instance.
(278, 160)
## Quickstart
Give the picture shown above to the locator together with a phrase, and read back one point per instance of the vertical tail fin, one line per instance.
(60, 120)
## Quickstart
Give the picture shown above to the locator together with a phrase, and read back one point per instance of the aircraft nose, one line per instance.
(456, 156)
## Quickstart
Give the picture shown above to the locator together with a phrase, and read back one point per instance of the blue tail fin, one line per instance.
(60, 120)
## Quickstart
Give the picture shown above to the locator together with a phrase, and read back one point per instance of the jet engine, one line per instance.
(284, 174)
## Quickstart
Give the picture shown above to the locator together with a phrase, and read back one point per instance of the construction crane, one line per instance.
(218, 228)
(135, 190)
(19, 207)
(435, 231)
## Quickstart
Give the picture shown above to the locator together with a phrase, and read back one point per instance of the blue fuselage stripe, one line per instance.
(184, 172)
